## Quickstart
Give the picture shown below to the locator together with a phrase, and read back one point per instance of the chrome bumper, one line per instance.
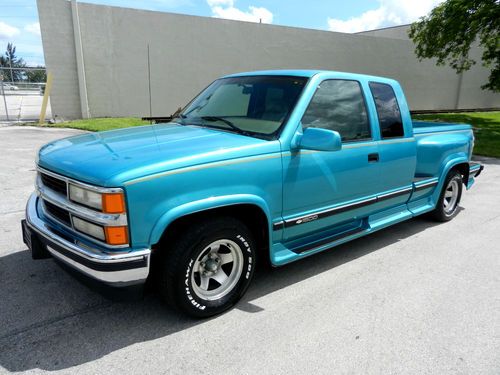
(117, 269)
(475, 169)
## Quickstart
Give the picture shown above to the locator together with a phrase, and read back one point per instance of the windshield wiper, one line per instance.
(178, 116)
(227, 122)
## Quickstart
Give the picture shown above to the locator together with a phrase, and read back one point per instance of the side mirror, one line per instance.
(320, 140)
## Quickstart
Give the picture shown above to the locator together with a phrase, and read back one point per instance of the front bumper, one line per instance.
(116, 269)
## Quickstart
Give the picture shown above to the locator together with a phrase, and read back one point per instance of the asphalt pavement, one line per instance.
(417, 298)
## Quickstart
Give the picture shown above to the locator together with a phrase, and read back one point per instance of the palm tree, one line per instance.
(10, 60)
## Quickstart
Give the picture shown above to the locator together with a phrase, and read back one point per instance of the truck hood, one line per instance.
(113, 157)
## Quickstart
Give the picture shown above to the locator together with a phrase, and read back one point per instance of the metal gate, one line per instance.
(21, 94)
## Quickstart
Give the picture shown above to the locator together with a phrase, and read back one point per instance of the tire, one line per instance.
(208, 268)
(447, 204)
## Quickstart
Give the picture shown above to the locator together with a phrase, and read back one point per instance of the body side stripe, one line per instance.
(443, 132)
(204, 166)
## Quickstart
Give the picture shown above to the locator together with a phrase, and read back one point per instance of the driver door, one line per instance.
(326, 189)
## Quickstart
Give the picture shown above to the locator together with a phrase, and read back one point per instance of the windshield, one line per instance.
(251, 105)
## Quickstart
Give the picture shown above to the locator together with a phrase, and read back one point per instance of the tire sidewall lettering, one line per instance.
(201, 304)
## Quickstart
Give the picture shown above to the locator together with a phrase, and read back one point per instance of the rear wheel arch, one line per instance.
(463, 169)
(457, 162)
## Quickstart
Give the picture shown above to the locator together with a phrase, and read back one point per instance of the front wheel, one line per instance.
(447, 205)
(209, 267)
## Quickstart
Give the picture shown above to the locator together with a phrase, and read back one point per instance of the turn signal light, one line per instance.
(116, 235)
(113, 203)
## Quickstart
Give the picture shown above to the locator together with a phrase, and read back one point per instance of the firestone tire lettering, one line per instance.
(176, 282)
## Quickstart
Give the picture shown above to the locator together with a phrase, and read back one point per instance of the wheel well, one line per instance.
(463, 169)
(251, 215)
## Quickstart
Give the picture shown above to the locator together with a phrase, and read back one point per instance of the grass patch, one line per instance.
(100, 124)
(486, 128)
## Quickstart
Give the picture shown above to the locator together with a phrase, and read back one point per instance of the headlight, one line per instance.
(111, 203)
(86, 197)
(110, 235)
(92, 230)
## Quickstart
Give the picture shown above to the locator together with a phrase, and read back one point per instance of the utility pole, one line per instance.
(11, 73)
(3, 94)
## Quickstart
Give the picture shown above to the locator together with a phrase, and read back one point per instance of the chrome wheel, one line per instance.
(217, 269)
(450, 199)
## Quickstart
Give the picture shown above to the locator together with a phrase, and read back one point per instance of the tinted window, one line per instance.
(389, 116)
(229, 100)
(258, 105)
(339, 105)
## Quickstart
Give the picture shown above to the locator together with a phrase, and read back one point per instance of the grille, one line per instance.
(54, 183)
(57, 212)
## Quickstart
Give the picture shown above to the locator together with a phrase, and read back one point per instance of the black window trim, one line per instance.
(382, 138)
(370, 138)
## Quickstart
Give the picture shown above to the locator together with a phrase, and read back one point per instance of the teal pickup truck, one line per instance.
(276, 165)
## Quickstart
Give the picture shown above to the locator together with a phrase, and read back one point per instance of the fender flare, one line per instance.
(452, 161)
(203, 205)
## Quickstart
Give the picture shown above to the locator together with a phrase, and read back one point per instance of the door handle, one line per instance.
(373, 158)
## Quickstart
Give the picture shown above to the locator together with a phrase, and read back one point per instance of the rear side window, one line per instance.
(389, 115)
(339, 105)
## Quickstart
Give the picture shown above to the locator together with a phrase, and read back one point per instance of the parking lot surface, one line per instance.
(416, 298)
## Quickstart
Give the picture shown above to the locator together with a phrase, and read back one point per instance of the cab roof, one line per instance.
(310, 73)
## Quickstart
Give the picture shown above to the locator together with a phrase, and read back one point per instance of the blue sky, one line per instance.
(19, 18)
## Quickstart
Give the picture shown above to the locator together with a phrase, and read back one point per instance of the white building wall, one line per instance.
(188, 52)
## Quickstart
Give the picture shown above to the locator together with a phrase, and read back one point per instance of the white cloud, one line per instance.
(227, 3)
(170, 3)
(7, 31)
(33, 28)
(226, 9)
(389, 13)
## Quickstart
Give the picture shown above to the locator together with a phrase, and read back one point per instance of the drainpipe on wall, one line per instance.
(80, 66)
(459, 89)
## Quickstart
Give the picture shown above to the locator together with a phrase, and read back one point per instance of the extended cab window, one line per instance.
(339, 105)
(389, 115)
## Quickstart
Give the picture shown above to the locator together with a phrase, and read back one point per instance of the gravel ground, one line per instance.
(416, 298)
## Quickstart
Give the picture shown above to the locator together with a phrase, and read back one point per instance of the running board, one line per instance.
(329, 240)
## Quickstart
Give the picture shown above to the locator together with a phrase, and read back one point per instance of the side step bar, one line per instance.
(328, 240)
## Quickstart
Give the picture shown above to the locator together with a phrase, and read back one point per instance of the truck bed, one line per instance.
(437, 142)
(425, 127)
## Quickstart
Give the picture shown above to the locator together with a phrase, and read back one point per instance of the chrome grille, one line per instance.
(53, 192)
(54, 183)
(58, 213)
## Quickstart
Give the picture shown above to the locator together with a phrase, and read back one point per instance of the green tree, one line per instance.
(36, 75)
(448, 32)
(10, 60)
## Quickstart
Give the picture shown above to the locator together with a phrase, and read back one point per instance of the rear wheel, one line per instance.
(209, 267)
(447, 205)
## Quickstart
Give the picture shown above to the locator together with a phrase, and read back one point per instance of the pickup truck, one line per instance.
(276, 165)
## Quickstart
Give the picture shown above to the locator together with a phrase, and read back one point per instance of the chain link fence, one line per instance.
(21, 94)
